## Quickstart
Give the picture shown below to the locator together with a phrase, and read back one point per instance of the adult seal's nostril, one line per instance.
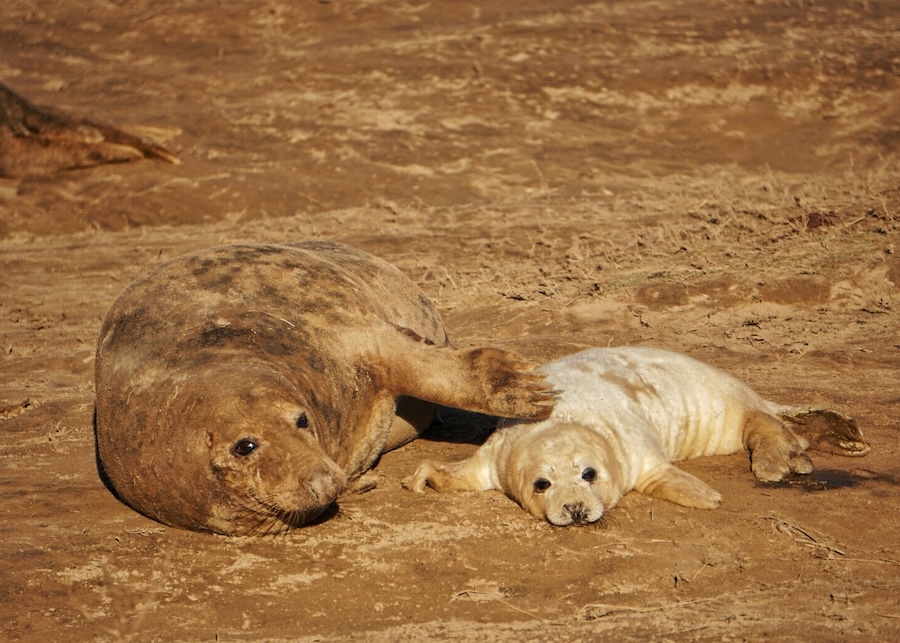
(326, 486)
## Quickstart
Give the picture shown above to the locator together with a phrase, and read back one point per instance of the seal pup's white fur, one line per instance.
(622, 416)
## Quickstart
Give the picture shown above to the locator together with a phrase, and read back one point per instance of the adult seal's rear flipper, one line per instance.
(41, 140)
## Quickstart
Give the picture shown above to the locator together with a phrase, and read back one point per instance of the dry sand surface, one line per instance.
(709, 176)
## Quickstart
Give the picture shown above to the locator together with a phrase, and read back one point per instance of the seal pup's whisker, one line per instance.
(607, 521)
(268, 526)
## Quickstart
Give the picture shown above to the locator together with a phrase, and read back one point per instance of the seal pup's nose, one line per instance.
(578, 511)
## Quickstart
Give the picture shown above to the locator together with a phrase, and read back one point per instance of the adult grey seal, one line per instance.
(623, 415)
(43, 140)
(241, 389)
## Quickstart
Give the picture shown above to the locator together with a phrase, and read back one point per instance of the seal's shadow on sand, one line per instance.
(828, 479)
(101, 472)
(460, 427)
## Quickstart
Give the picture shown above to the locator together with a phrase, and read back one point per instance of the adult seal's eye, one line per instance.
(541, 485)
(243, 448)
(302, 421)
(589, 474)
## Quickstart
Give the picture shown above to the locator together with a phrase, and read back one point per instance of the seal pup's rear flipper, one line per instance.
(675, 485)
(774, 450)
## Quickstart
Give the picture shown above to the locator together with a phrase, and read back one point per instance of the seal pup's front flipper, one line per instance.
(472, 474)
(675, 485)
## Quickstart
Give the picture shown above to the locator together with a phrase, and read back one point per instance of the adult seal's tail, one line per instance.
(241, 389)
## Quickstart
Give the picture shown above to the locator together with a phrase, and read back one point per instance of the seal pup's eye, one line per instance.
(302, 421)
(541, 485)
(589, 474)
(243, 448)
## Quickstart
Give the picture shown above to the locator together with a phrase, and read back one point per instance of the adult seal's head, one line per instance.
(219, 446)
(241, 389)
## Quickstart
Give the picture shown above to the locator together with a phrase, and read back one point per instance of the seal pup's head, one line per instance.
(562, 472)
(240, 455)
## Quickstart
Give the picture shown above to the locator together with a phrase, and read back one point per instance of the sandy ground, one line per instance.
(718, 178)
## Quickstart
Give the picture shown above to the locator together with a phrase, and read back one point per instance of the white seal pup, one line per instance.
(622, 416)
